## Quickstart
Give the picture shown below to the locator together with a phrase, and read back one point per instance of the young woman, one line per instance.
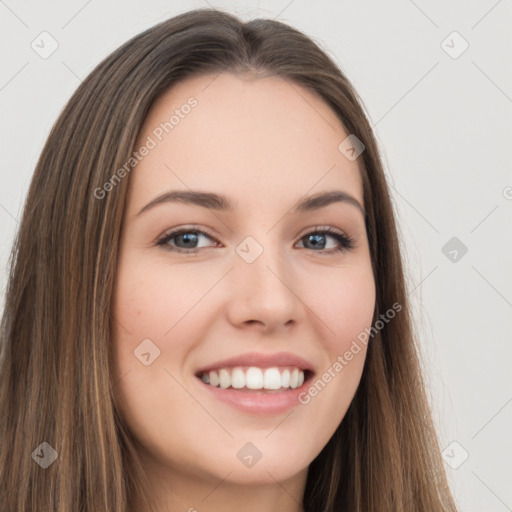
(206, 307)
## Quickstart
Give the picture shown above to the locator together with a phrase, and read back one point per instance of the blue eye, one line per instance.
(185, 240)
(345, 243)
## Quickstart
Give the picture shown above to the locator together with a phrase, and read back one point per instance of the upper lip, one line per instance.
(260, 360)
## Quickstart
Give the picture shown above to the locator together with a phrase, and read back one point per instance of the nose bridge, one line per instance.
(256, 254)
(262, 280)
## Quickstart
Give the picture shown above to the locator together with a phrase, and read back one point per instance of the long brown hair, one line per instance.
(56, 383)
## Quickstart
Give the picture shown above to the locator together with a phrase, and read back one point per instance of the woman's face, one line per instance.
(259, 285)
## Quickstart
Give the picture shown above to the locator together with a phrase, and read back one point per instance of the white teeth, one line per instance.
(225, 379)
(285, 378)
(294, 378)
(254, 378)
(271, 378)
(238, 378)
(214, 379)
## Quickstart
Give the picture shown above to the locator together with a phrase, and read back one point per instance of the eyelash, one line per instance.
(346, 242)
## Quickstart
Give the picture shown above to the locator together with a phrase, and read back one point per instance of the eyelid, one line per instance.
(178, 230)
(320, 227)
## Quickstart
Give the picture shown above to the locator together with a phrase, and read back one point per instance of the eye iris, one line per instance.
(189, 237)
(317, 242)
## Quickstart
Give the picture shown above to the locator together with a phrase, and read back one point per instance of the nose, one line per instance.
(264, 292)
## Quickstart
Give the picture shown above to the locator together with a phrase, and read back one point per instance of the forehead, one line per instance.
(264, 139)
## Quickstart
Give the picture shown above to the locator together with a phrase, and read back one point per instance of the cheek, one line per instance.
(151, 299)
(344, 303)
(146, 308)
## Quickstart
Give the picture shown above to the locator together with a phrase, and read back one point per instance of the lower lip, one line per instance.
(258, 403)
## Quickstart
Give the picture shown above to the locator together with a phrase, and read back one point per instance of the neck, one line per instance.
(175, 490)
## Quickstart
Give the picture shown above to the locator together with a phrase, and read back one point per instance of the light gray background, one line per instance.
(444, 126)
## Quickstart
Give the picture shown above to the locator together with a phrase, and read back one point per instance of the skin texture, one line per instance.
(266, 144)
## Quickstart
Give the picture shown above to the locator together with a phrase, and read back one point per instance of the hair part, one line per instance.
(56, 382)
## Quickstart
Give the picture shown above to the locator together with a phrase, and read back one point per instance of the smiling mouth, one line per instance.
(252, 379)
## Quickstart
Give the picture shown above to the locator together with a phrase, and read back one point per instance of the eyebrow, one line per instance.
(220, 202)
